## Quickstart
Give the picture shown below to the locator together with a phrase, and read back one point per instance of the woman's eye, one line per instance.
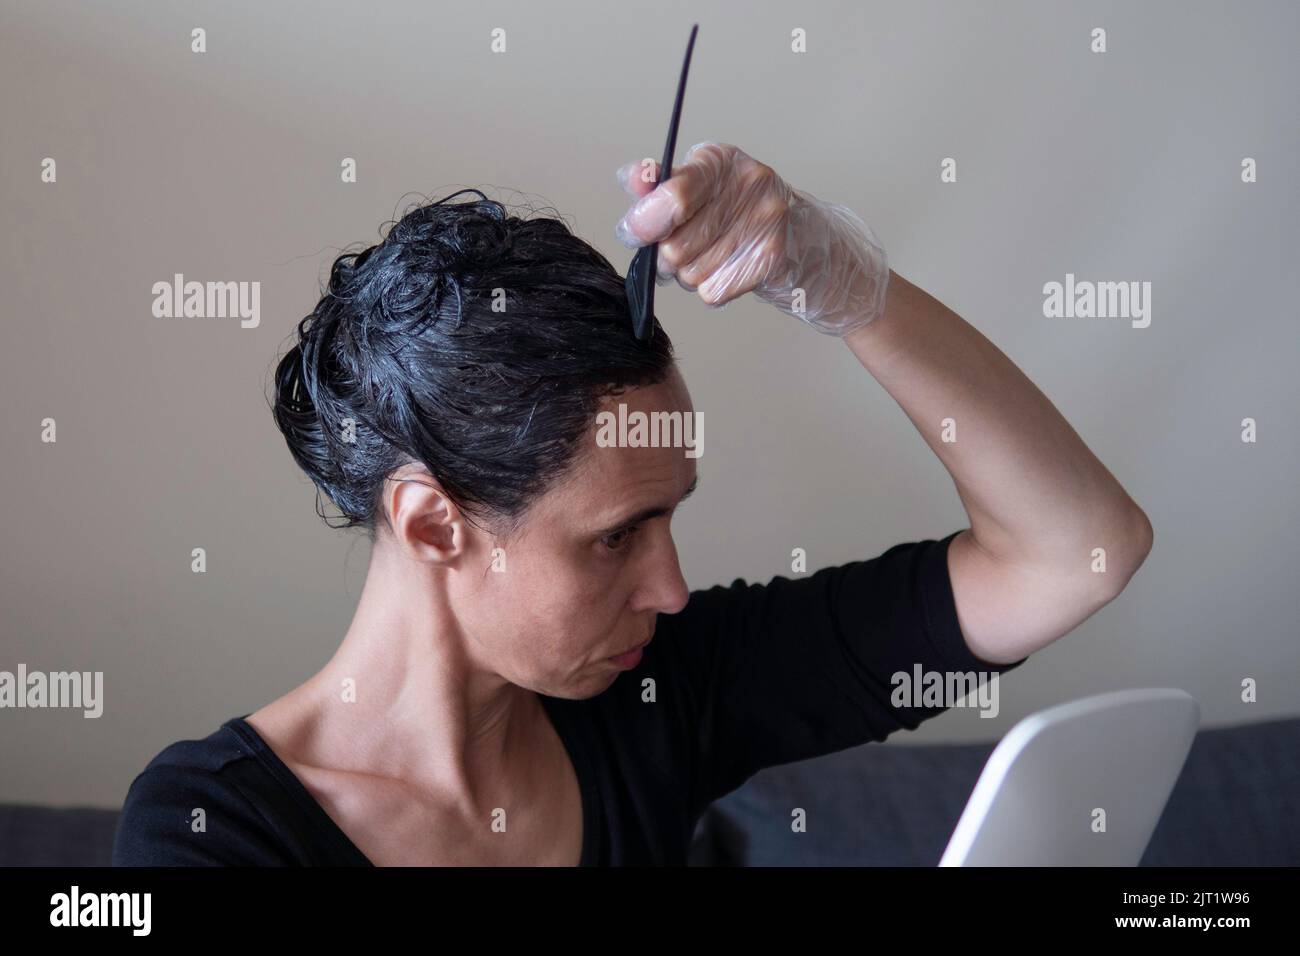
(614, 542)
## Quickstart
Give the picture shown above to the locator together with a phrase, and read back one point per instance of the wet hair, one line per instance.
(470, 340)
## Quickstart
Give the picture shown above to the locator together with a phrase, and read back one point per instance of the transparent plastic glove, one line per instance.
(727, 224)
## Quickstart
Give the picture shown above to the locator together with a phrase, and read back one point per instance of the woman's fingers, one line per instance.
(638, 177)
(718, 228)
(726, 267)
(667, 205)
(731, 245)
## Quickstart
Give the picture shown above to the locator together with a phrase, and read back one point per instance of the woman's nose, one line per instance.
(665, 586)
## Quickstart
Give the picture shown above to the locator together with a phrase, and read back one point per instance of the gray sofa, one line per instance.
(1233, 805)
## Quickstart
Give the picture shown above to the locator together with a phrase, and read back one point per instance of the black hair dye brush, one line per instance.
(640, 282)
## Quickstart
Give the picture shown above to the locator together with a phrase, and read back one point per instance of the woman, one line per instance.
(444, 394)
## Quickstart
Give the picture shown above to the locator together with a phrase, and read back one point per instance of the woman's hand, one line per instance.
(727, 224)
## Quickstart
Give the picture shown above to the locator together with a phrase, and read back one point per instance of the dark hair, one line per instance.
(470, 340)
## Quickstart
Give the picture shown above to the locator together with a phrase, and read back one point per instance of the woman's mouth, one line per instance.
(629, 659)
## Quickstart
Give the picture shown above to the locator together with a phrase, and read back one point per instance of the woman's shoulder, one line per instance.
(199, 802)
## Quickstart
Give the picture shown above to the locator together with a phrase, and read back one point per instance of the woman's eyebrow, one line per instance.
(645, 514)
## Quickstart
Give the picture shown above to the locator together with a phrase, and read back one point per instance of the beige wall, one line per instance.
(225, 166)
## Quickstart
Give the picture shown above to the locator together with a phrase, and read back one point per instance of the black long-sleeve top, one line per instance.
(746, 676)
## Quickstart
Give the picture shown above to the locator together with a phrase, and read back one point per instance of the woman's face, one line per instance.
(585, 578)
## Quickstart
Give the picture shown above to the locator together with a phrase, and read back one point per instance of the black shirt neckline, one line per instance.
(289, 780)
(326, 825)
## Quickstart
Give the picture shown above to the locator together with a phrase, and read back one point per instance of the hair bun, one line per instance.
(458, 237)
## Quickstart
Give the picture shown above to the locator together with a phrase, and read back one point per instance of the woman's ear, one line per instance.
(423, 520)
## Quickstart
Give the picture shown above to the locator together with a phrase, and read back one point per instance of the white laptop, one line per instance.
(1079, 784)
